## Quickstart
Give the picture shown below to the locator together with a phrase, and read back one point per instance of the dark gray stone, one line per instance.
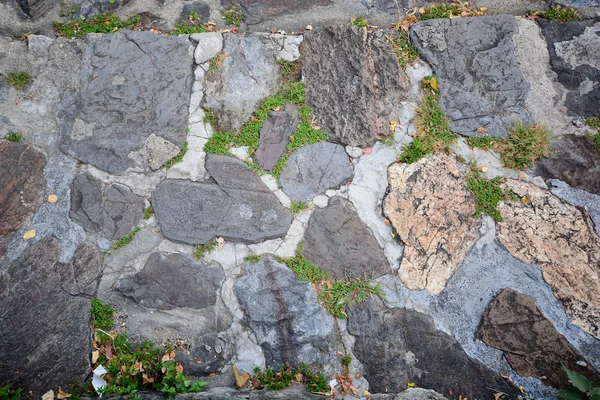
(288, 321)
(574, 160)
(294, 392)
(238, 207)
(513, 324)
(480, 83)
(249, 72)
(23, 184)
(112, 211)
(313, 169)
(397, 346)
(89, 8)
(209, 354)
(169, 281)
(256, 11)
(340, 243)
(354, 83)
(4, 92)
(81, 276)
(199, 7)
(275, 134)
(574, 49)
(133, 85)
(398, 6)
(45, 330)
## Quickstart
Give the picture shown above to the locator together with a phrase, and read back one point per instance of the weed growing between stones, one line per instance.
(200, 250)
(582, 388)
(289, 70)
(286, 375)
(406, 53)
(254, 167)
(488, 194)
(17, 79)
(233, 16)
(102, 315)
(432, 126)
(192, 25)
(525, 144)
(594, 123)
(215, 63)
(101, 23)
(558, 13)
(209, 117)
(298, 206)
(8, 393)
(360, 22)
(252, 258)
(13, 137)
(456, 9)
(148, 212)
(482, 142)
(179, 157)
(124, 241)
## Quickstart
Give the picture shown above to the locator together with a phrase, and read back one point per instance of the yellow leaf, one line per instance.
(433, 83)
(62, 395)
(240, 380)
(483, 9)
(29, 234)
(411, 384)
(52, 199)
(525, 200)
(95, 355)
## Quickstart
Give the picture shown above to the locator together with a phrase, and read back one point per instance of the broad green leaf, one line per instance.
(595, 397)
(570, 394)
(579, 381)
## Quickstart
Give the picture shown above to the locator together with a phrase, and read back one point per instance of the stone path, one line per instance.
(184, 181)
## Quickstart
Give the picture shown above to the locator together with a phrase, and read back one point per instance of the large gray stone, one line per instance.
(133, 85)
(248, 73)
(81, 276)
(313, 169)
(397, 346)
(256, 11)
(579, 198)
(339, 242)
(275, 134)
(353, 83)
(112, 211)
(473, 59)
(288, 321)
(45, 330)
(4, 92)
(238, 207)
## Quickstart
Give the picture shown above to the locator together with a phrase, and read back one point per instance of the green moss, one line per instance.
(8, 393)
(148, 212)
(191, 26)
(482, 142)
(559, 13)
(17, 79)
(13, 137)
(101, 23)
(102, 315)
(179, 157)
(285, 375)
(124, 241)
(252, 258)
(298, 206)
(288, 69)
(360, 22)
(406, 53)
(525, 144)
(233, 16)
(488, 194)
(254, 167)
(200, 250)
(432, 126)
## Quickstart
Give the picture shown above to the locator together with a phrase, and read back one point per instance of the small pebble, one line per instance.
(484, 169)
(578, 123)
(29, 234)
(309, 27)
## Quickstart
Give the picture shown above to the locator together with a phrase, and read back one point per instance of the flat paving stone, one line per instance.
(256, 11)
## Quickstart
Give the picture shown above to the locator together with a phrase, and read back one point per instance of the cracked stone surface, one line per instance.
(275, 134)
(563, 244)
(432, 212)
(261, 10)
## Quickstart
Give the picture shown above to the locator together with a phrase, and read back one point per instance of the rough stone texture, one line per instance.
(397, 346)
(238, 207)
(45, 333)
(339, 242)
(275, 134)
(473, 58)
(199, 7)
(563, 244)
(23, 183)
(89, 8)
(81, 276)
(313, 169)
(579, 198)
(512, 323)
(574, 49)
(288, 321)
(248, 73)
(107, 121)
(4, 92)
(256, 11)
(575, 161)
(210, 44)
(353, 83)
(418, 394)
(112, 211)
(432, 212)
(196, 284)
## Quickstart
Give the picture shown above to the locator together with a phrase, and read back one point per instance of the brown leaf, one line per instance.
(166, 357)
(95, 355)
(482, 130)
(179, 368)
(147, 379)
(241, 380)
(255, 383)
(62, 395)
(299, 377)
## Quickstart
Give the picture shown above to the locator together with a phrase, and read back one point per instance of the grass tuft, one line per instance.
(286, 375)
(148, 212)
(298, 206)
(594, 123)
(482, 142)
(191, 26)
(124, 241)
(406, 53)
(488, 194)
(201, 250)
(179, 157)
(13, 137)
(360, 22)
(17, 79)
(102, 315)
(215, 63)
(525, 144)
(101, 23)
(305, 271)
(456, 9)
(8, 393)
(558, 13)
(233, 16)
(252, 258)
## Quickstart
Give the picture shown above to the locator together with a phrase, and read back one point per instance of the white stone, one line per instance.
(240, 152)
(210, 44)
(283, 198)
(198, 129)
(268, 246)
(290, 51)
(321, 201)
(192, 165)
(159, 151)
(199, 74)
(197, 116)
(354, 152)
(270, 181)
(296, 229)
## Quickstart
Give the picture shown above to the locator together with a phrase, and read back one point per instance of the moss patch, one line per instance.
(482, 142)
(17, 79)
(360, 22)
(488, 194)
(559, 13)
(124, 241)
(101, 23)
(456, 9)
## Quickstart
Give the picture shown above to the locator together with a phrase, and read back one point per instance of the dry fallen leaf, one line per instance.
(179, 368)
(525, 200)
(241, 380)
(95, 355)
(309, 27)
(433, 82)
(52, 199)
(299, 377)
(482, 130)
(49, 395)
(220, 242)
(29, 234)
(62, 395)
(147, 379)
(368, 150)
(522, 176)
(484, 169)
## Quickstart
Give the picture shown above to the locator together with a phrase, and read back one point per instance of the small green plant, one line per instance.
(174, 382)
(254, 167)
(488, 194)
(252, 258)
(285, 375)
(482, 142)
(582, 388)
(179, 157)
(209, 117)
(461, 159)
(342, 293)
(406, 53)
(559, 13)
(148, 212)
(594, 123)
(432, 126)
(17, 79)
(100, 23)
(525, 144)
(288, 69)
(360, 22)
(102, 315)
(13, 137)
(68, 10)
(124, 241)
(8, 393)
(200, 250)
(233, 16)
(346, 360)
(298, 206)
(215, 63)
(305, 271)
(456, 9)
(191, 26)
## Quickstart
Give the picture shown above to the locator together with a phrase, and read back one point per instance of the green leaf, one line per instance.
(595, 390)
(570, 394)
(595, 397)
(579, 381)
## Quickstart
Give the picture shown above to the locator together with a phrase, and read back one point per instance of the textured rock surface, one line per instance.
(248, 73)
(153, 286)
(256, 11)
(512, 323)
(289, 323)
(238, 207)
(23, 183)
(474, 61)
(313, 169)
(579, 198)
(112, 211)
(343, 62)
(575, 161)
(275, 134)
(574, 49)
(563, 244)
(57, 350)
(339, 242)
(106, 123)
(397, 346)
(432, 212)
